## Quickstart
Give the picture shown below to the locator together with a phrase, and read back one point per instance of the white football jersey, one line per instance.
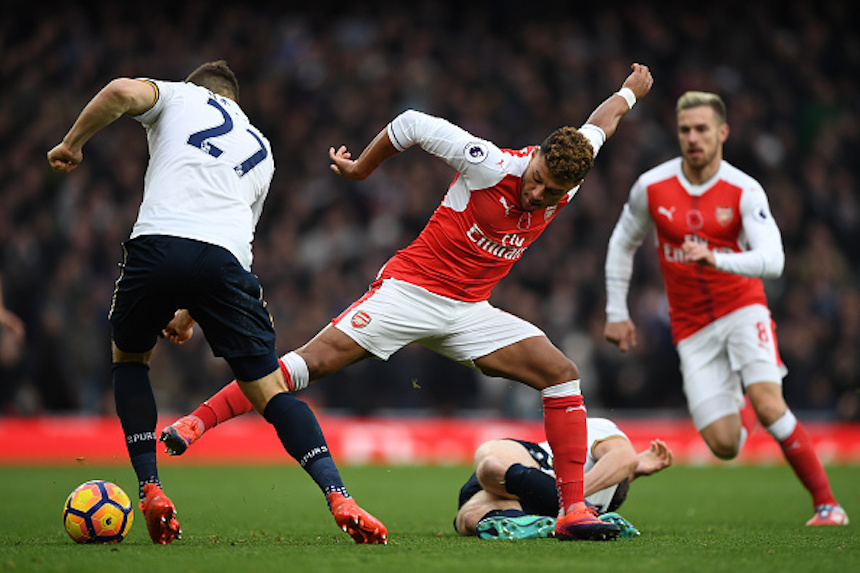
(209, 169)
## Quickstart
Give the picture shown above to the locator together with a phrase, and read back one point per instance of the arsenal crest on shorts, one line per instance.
(360, 319)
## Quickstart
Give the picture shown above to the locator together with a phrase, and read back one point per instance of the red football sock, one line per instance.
(227, 403)
(564, 422)
(206, 414)
(799, 452)
(230, 402)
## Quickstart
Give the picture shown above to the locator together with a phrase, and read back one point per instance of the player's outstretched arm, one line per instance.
(372, 157)
(616, 460)
(635, 87)
(120, 96)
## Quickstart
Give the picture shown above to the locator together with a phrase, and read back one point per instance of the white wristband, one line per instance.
(628, 96)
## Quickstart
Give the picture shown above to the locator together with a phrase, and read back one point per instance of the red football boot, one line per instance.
(160, 514)
(360, 525)
(581, 523)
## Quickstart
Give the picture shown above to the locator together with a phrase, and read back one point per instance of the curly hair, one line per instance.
(217, 77)
(568, 155)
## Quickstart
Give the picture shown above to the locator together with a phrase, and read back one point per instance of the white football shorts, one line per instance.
(719, 360)
(397, 313)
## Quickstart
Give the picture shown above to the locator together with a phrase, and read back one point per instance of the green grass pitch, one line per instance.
(728, 518)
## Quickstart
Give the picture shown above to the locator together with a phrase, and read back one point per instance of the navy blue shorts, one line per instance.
(473, 486)
(161, 274)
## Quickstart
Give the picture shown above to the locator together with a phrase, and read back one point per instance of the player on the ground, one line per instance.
(191, 248)
(511, 494)
(435, 290)
(716, 240)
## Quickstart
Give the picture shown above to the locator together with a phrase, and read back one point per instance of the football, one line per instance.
(98, 511)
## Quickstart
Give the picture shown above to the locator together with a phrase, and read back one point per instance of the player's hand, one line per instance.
(622, 334)
(180, 328)
(343, 164)
(654, 459)
(63, 159)
(698, 253)
(639, 80)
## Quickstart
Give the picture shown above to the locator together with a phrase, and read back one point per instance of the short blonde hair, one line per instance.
(693, 99)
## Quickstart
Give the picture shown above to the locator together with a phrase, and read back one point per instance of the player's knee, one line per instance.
(491, 473)
(769, 406)
(770, 413)
(567, 371)
(120, 356)
(558, 372)
(723, 448)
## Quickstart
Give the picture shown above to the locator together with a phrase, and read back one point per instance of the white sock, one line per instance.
(569, 388)
(784, 427)
(298, 369)
(743, 439)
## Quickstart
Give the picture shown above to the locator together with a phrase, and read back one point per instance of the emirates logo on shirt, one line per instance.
(360, 319)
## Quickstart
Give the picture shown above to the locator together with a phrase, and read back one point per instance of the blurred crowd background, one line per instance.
(330, 74)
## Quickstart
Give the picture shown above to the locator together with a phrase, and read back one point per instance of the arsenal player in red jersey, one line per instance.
(435, 290)
(716, 240)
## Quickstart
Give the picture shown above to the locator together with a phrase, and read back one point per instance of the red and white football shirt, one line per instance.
(729, 213)
(480, 230)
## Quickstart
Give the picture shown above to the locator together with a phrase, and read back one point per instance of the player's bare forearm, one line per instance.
(609, 113)
(615, 462)
(376, 152)
(119, 97)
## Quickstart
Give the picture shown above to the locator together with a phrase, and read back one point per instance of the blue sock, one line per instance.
(302, 437)
(536, 489)
(135, 406)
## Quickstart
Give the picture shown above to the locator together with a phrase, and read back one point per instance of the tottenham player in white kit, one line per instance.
(435, 290)
(715, 239)
(208, 175)
(511, 494)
